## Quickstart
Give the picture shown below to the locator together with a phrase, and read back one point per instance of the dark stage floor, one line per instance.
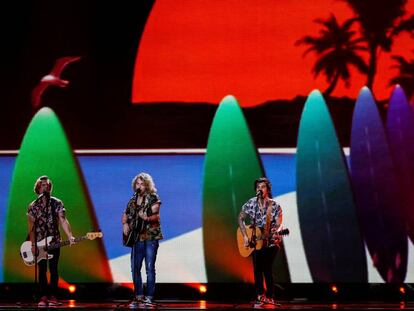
(208, 305)
(221, 297)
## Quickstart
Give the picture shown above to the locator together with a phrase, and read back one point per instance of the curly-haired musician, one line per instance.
(142, 232)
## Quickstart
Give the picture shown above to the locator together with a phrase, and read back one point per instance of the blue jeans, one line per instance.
(144, 250)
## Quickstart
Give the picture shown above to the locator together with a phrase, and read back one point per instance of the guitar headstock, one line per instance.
(94, 235)
(283, 232)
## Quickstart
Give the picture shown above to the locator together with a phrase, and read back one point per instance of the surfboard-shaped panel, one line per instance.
(231, 166)
(376, 191)
(45, 151)
(331, 236)
(400, 130)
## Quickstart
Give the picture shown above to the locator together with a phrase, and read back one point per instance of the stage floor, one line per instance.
(209, 305)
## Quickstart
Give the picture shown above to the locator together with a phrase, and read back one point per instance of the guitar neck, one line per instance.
(65, 243)
(266, 237)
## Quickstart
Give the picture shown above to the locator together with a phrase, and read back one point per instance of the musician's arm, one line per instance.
(242, 226)
(124, 218)
(125, 225)
(64, 222)
(31, 233)
(242, 217)
(155, 215)
(31, 223)
(279, 219)
(278, 225)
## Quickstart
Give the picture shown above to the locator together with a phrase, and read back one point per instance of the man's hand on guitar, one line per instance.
(276, 236)
(34, 250)
(245, 240)
(72, 240)
(142, 215)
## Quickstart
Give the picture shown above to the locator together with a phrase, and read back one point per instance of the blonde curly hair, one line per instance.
(147, 180)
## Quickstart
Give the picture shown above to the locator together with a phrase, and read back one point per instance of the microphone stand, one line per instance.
(134, 236)
(254, 236)
(46, 242)
(36, 254)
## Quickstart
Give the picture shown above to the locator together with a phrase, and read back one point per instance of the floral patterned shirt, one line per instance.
(46, 219)
(151, 230)
(252, 210)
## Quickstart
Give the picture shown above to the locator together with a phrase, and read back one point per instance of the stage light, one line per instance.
(402, 290)
(334, 289)
(202, 289)
(72, 289)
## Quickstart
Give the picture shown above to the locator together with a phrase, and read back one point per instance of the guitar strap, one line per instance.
(267, 225)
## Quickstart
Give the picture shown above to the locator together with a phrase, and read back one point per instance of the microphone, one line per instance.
(259, 193)
(44, 194)
(138, 191)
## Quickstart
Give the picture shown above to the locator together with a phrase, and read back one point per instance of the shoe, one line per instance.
(259, 302)
(43, 302)
(135, 303)
(53, 302)
(148, 302)
(271, 302)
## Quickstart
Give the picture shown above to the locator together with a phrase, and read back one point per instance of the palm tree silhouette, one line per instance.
(336, 50)
(380, 21)
(405, 78)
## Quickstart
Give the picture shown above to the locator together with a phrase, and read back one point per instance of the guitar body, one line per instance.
(128, 239)
(255, 243)
(136, 226)
(27, 255)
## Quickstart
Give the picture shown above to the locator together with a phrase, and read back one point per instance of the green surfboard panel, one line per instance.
(231, 166)
(327, 214)
(45, 150)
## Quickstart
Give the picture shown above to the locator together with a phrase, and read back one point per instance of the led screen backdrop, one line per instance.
(151, 74)
(178, 178)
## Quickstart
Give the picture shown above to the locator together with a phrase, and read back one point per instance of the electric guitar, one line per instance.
(29, 258)
(255, 241)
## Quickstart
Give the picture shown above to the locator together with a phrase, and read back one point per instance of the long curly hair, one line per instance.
(147, 180)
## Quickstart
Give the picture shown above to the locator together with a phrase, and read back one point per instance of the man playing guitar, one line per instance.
(266, 214)
(44, 216)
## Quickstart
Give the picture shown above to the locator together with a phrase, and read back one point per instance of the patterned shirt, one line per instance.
(46, 219)
(151, 230)
(251, 207)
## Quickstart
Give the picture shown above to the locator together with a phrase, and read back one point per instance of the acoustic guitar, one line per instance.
(256, 240)
(135, 227)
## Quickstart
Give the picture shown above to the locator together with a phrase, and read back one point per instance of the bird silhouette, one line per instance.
(53, 78)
